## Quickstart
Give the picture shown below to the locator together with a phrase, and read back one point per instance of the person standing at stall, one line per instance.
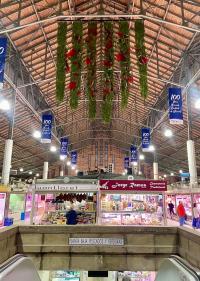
(171, 209)
(181, 213)
(195, 216)
(71, 217)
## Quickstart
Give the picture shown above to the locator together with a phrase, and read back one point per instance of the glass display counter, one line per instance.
(131, 209)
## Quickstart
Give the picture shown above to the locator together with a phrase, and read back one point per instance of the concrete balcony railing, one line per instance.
(143, 248)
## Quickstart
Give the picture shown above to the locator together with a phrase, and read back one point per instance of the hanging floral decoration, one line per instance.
(91, 68)
(60, 63)
(108, 91)
(75, 56)
(124, 58)
(142, 59)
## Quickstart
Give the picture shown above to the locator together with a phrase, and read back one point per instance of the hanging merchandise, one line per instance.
(64, 146)
(126, 162)
(3, 47)
(142, 59)
(175, 106)
(91, 68)
(60, 65)
(146, 139)
(75, 56)
(46, 128)
(124, 58)
(74, 157)
(108, 91)
(134, 154)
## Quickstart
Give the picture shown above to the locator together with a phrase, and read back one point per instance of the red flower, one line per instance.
(109, 44)
(71, 53)
(143, 60)
(130, 79)
(88, 61)
(120, 34)
(107, 63)
(67, 68)
(72, 85)
(120, 57)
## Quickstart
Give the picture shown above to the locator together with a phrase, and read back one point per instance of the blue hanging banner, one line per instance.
(46, 128)
(3, 47)
(64, 146)
(126, 162)
(146, 139)
(175, 106)
(134, 154)
(74, 157)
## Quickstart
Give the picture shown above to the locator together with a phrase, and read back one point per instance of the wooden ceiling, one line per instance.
(172, 44)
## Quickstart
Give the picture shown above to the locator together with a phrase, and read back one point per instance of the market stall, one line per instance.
(188, 198)
(4, 197)
(16, 208)
(132, 202)
(53, 201)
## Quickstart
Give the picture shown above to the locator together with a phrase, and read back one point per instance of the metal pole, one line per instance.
(33, 204)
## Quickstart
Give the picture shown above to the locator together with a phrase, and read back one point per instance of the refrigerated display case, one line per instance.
(16, 205)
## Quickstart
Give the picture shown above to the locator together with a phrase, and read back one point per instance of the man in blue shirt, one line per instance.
(71, 217)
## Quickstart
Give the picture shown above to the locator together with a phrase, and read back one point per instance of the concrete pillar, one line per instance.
(61, 173)
(155, 170)
(45, 170)
(192, 162)
(7, 161)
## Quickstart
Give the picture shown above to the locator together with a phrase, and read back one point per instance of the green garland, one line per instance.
(108, 93)
(124, 46)
(60, 64)
(91, 68)
(76, 63)
(141, 52)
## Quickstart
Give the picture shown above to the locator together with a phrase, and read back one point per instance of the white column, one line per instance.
(45, 171)
(7, 161)
(155, 170)
(61, 173)
(192, 162)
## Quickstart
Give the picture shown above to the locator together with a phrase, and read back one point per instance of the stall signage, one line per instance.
(96, 241)
(175, 106)
(46, 128)
(134, 185)
(146, 139)
(64, 146)
(65, 187)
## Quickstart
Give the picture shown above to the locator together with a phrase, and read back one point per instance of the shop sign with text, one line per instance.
(96, 241)
(133, 185)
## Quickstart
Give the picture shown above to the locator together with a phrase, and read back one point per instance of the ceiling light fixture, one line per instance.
(4, 105)
(168, 133)
(53, 148)
(141, 156)
(37, 134)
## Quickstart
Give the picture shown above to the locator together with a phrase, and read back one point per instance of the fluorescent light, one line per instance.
(165, 176)
(123, 174)
(151, 148)
(141, 156)
(76, 171)
(4, 105)
(21, 169)
(73, 167)
(139, 173)
(197, 104)
(68, 163)
(37, 175)
(30, 172)
(168, 133)
(134, 163)
(53, 148)
(62, 157)
(172, 174)
(37, 134)
(180, 171)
